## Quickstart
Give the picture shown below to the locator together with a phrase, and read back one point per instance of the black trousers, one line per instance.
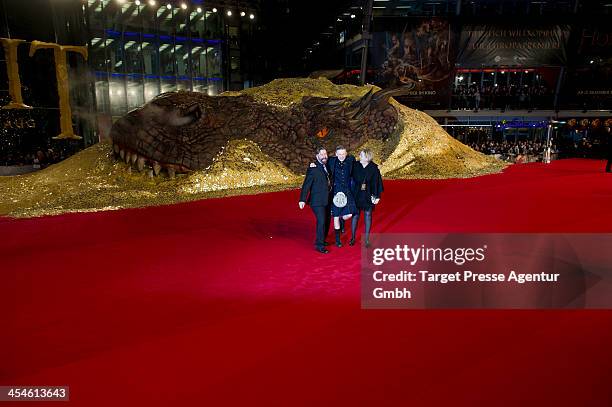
(323, 216)
(609, 164)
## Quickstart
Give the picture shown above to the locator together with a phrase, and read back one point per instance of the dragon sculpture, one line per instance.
(183, 131)
(259, 139)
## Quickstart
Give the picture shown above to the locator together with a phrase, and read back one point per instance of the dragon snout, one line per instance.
(126, 126)
(144, 138)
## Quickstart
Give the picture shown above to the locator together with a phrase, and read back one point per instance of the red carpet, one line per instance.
(225, 302)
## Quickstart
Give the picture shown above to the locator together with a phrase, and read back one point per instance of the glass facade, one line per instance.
(137, 49)
(141, 49)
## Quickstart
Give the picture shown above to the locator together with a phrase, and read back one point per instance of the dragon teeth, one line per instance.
(141, 163)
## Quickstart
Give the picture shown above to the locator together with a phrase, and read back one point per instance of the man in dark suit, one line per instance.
(316, 191)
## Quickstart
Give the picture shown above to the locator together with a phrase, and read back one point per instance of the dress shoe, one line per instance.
(322, 250)
(352, 242)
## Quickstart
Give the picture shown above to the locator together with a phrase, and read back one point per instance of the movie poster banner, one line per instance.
(589, 76)
(419, 56)
(509, 45)
(592, 41)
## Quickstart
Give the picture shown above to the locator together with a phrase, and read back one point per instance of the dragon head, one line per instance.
(183, 131)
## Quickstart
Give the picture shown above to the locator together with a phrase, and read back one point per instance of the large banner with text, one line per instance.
(511, 45)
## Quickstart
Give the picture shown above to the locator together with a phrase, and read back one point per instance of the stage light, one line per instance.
(137, 2)
(184, 6)
(252, 16)
(242, 14)
(152, 3)
(199, 9)
(352, 15)
(214, 10)
(168, 6)
(229, 13)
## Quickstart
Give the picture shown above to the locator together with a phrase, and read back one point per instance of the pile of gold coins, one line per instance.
(92, 180)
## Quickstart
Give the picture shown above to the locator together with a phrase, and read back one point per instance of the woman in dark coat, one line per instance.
(341, 169)
(367, 189)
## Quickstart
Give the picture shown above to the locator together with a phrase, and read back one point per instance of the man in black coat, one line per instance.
(316, 191)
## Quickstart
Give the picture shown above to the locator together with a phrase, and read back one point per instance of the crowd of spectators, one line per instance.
(501, 97)
(40, 158)
(585, 148)
(534, 150)
(514, 151)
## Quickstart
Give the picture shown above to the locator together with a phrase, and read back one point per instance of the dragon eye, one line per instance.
(184, 117)
(323, 132)
(194, 112)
